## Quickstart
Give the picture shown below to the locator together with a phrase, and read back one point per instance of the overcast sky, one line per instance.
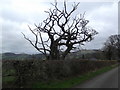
(17, 14)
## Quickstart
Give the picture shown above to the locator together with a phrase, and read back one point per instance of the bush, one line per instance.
(27, 71)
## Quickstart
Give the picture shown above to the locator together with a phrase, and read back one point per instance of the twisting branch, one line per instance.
(32, 43)
(65, 8)
(42, 43)
(61, 29)
(36, 36)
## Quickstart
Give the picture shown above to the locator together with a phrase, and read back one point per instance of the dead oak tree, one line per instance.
(64, 32)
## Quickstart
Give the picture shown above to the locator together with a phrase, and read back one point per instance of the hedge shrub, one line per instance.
(36, 70)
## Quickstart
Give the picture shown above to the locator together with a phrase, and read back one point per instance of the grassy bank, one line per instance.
(71, 82)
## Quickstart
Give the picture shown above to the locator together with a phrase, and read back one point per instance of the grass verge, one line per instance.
(8, 79)
(71, 82)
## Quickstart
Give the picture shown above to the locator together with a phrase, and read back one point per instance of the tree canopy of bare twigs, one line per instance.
(64, 32)
(112, 47)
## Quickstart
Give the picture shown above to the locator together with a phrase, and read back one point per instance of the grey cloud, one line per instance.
(96, 43)
(119, 17)
(17, 44)
(13, 40)
(89, 6)
(13, 16)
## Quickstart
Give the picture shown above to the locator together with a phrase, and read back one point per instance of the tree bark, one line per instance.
(69, 48)
(54, 54)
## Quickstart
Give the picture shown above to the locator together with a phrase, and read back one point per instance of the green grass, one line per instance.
(8, 76)
(71, 82)
(8, 79)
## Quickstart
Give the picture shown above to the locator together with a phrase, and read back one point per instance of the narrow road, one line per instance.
(105, 80)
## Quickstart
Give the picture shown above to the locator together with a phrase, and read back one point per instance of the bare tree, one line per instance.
(112, 47)
(65, 33)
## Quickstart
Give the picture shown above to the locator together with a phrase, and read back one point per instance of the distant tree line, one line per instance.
(111, 47)
(110, 51)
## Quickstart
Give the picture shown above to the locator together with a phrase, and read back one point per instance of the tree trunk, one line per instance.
(54, 54)
(69, 48)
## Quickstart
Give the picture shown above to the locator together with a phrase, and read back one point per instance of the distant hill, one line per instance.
(94, 54)
(82, 54)
(13, 56)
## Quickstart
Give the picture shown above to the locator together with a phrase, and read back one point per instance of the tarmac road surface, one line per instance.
(106, 80)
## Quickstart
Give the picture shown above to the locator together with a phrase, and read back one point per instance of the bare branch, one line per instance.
(65, 9)
(62, 30)
(27, 39)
